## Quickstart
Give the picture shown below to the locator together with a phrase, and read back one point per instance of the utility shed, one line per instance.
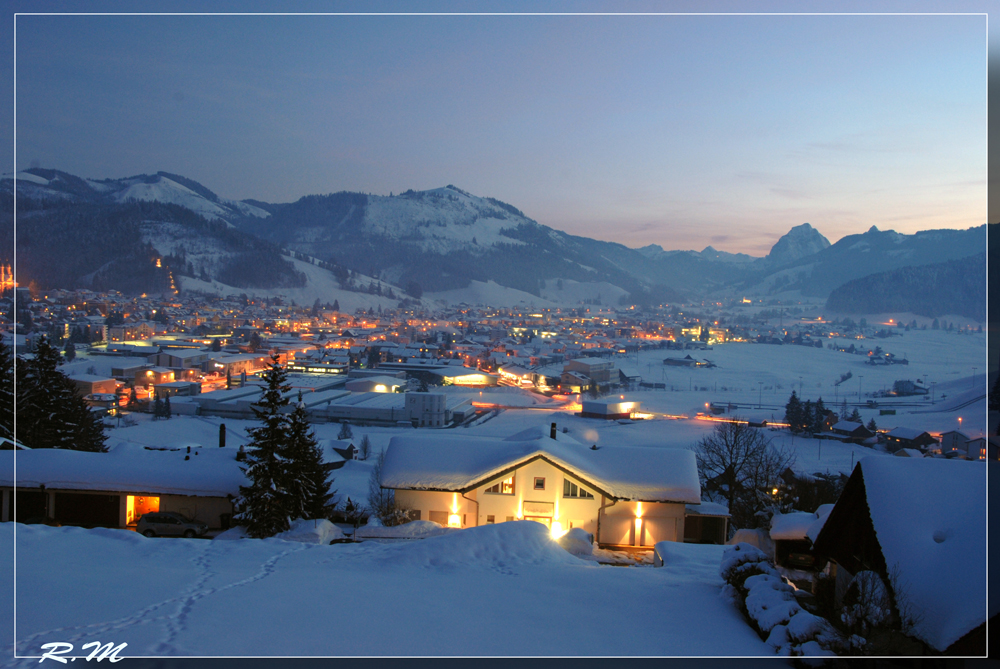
(924, 520)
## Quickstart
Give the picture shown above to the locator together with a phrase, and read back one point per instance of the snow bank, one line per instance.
(238, 532)
(578, 542)
(501, 546)
(311, 532)
(415, 529)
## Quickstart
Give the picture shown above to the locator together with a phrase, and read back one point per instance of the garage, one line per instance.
(87, 510)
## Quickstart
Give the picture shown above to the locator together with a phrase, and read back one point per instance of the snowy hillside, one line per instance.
(442, 220)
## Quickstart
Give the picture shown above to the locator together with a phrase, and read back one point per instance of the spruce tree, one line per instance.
(856, 416)
(157, 407)
(6, 391)
(308, 486)
(819, 416)
(793, 412)
(166, 407)
(345, 431)
(263, 505)
(70, 351)
(50, 413)
(872, 427)
(808, 418)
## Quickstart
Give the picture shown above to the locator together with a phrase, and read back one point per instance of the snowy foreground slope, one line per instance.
(506, 589)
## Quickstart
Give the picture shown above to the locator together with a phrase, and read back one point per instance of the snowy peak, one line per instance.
(801, 241)
(51, 185)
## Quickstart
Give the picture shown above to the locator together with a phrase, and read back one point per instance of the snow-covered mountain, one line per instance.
(437, 241)
(45, 185)
(799, 242)
(656, 252)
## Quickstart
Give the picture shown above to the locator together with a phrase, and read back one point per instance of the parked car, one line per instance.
(169, 523)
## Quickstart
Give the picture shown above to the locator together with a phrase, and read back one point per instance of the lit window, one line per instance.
(490, 520)
(539, 483)
(505, 487)
(570, 489)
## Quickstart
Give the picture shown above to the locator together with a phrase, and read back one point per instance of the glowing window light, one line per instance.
(454, 520)
(557, 529)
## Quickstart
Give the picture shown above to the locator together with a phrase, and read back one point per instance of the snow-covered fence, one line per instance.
(770, 605)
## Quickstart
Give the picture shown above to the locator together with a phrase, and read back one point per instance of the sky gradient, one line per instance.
(684, 131)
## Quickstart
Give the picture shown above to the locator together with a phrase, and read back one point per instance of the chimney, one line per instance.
(552, 431)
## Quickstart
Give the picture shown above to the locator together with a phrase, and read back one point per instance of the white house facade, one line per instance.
(624, 496)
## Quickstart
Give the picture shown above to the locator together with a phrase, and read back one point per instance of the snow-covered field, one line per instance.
(506, 589)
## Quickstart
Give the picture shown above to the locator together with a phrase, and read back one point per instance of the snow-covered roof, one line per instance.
(905, 433)
(846, 426)
(460, 463)
(929, 517)
(213, 472)
(791, 526)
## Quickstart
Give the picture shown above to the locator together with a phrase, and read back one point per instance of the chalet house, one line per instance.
(908, 437)
(623, 496)
(853, 432)
(920, 525)
(114, 489)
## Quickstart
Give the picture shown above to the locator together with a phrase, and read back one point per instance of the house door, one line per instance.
(544, 520)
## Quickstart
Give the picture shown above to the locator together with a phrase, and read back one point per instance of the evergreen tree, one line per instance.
(793, 412)
(166, 407)
(308, 486)
(819, 416)
(263, 505)
(336, 305)
(856, 416)
(872, 426)
(50, 413)
(936, 325)
(345, 431)
(70, 351)
(808, 416)
(133, 399)
(157, 407)
(216, 346)
(6, 391)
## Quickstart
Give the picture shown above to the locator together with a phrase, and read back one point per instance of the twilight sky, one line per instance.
(682, 131)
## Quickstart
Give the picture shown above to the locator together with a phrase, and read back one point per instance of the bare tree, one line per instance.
(382, 501)
(365, 448)
(739, 466)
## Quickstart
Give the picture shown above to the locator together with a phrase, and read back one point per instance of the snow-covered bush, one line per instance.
(770, 605)
(742, 561)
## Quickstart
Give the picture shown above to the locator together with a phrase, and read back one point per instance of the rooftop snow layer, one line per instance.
(791, 526)
(212, 472)
(435, 462)
(930, 520)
